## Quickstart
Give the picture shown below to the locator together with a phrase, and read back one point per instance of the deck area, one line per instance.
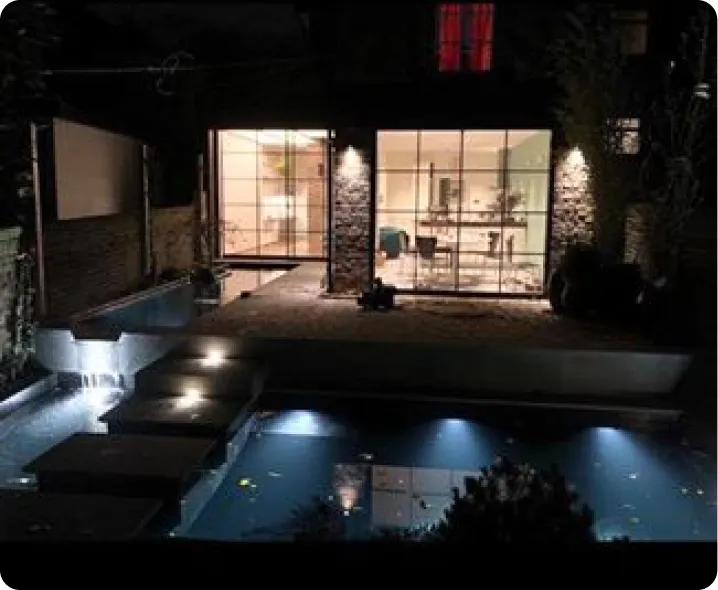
(294, 307)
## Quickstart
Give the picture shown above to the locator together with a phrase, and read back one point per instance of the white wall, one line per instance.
(96, 172)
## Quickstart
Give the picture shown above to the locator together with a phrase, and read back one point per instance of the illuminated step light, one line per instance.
(213, 359)
(191, 397)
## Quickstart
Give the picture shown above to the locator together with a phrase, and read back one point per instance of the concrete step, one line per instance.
(195, 378)
(33, 516)
(215, 418)
(127, 465)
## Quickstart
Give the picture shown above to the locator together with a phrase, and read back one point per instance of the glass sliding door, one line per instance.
(463, 210)
(273, 192)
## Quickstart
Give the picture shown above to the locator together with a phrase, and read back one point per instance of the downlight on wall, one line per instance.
(351, 163)
(575, 158)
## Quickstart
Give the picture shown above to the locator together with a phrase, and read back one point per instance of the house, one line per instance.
(430, 158)
(431, 161)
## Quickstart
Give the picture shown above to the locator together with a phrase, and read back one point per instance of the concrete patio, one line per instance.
(293, 306)
(487, 351)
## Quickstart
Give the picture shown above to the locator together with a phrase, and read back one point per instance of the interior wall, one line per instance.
(495, 219)
(273, 197)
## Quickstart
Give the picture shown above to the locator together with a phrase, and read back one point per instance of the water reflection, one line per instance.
(402, 476)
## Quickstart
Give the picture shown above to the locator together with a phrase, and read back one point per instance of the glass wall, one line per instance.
(273, 192)
(463, 210)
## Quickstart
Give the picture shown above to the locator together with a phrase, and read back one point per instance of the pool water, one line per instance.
(176, 307)
(399, 473)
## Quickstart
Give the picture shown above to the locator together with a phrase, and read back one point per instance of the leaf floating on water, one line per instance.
(366, 456)
(684, 491)
(699, 492)
(633, 475)
(244, 482)
(274, 474)
(628, 506)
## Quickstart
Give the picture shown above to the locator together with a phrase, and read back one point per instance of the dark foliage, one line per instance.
(515, 503)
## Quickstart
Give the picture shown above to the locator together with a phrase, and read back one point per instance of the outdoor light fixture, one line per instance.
(575, 158)
(190, 398)
(702, 90)
(351, 163)
(213, 359)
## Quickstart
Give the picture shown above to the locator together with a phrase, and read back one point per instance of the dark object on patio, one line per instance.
(585, 285)
(381, 296)
(206, 283)
(245, 294)
(170, 274)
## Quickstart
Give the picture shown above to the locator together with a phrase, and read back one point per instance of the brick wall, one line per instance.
(351, 218)
(572, 216)
(91, 261)
(172, 237)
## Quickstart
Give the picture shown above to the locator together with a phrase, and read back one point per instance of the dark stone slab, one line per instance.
(215, 418)
(33, 516)
(233, 378)
(127, 465)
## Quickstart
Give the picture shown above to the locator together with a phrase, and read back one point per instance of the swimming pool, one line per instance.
(176, 306)
(391, 469)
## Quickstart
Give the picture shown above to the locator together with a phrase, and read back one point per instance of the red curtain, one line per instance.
(481, 28)
(450, 37)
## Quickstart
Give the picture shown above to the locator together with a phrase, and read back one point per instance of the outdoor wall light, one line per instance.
(575, 158)
(213, 359)
(351, 163)
(702, 90)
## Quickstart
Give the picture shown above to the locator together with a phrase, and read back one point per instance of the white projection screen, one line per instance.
(97, 173)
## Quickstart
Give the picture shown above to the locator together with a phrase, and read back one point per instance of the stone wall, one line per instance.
(91, 261)
(572, 215)
(8, 254)
(172, 238)
(352, 218)
(637, 249)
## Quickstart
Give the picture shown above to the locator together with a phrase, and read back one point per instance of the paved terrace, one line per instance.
(294, 307)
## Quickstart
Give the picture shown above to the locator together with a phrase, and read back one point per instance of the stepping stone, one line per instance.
(32, 516)
(214, 418)
(231, 378)
(128, 465)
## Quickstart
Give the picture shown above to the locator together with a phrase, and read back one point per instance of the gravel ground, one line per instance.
(294, 306)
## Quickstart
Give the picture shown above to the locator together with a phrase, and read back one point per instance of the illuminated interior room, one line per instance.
(463, 210)
(272, 192)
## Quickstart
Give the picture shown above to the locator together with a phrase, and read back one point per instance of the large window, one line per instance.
(464, 37)
(273, 192)
(463, 210)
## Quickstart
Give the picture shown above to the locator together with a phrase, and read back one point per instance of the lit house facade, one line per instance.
(430, 165)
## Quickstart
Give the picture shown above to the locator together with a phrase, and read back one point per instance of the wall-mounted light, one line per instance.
(575, 158)
(351, 163)
(702, 90)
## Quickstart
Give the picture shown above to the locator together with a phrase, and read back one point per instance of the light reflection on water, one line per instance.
(637, 486)
(42, 423)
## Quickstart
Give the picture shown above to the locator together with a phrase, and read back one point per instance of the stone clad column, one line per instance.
(352, 219)
(572, 214)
